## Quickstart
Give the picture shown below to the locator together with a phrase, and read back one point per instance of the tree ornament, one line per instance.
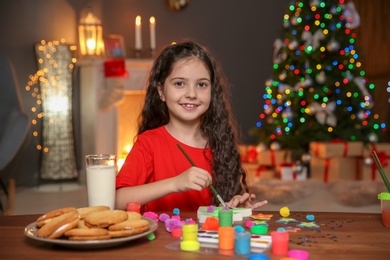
(294, 20)
(333, 10)
(268, 110)
(306, 157)
(283, 75)
(361, 115)
(349, 75)
(313, 39)
(373, 138)
(261, 147)
(275, 146)
(324, 113)
(321, 77)
(293, 45)
(314, 2)
(307, 82)
(287, 114)
(368, 161)
(269, 82)
(351, 16)
(298, 167)
(333, 46)
(279, 54)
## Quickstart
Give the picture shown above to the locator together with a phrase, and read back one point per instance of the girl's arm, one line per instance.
(193, 178)
(143, 193)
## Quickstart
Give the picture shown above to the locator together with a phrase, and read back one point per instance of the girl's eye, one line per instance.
(179, 83)
(202, 84)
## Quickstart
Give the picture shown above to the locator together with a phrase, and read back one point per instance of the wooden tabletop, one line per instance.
(339, 236)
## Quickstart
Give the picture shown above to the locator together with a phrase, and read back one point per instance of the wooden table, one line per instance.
(340, 236)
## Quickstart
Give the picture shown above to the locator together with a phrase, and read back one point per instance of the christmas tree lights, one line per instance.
(318, 90)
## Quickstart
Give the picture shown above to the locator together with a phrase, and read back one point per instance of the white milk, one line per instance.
(101, 185)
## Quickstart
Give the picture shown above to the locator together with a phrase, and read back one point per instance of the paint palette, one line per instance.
(238, 213)
(211, 237)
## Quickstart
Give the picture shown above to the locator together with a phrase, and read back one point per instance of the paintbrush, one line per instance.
(381, 170)
(210, 186)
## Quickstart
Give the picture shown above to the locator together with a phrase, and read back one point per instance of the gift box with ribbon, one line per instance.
(336, 148)
(248, 153)
(336, 168)
(335, 160)
(273, 157)
(255, 171)
(369, 170)
(289, 171)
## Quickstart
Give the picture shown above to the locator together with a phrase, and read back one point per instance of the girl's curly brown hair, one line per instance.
(217, 123)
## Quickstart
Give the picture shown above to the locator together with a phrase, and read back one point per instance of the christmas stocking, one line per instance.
(112, 92)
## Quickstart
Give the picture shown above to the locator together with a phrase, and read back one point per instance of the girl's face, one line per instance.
(187, 90)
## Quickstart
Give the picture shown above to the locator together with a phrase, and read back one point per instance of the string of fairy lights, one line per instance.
(37, 87)
(315, 73)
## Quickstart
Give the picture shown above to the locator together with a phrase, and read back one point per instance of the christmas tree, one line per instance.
(318, 90)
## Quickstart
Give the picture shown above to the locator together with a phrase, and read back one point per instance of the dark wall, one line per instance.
(240, 33)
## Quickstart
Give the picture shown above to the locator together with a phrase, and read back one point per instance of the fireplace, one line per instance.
(110, 131)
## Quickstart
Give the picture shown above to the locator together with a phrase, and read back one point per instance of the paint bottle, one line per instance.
(133, 207)
(242, 243)
(189, 238)
(226, 238)
(279, 243)
(225, 217)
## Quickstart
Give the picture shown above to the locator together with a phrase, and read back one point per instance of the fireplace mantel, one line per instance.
(99, 129)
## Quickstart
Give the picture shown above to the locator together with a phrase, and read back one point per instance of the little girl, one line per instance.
(186, 104)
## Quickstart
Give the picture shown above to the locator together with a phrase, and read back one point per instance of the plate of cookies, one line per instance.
(89, 227)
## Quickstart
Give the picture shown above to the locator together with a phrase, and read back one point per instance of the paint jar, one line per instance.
(279, 243)
(225, 217)
(258, 257)
(242, 243)
(190, 232)
(189, 238)
(298, 254)
(385, 206)
(226, 238)
(133, 207)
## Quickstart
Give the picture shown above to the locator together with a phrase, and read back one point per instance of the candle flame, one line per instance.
(152, 20)
(138, 20)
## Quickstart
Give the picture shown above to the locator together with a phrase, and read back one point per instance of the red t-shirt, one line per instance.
(155, 156)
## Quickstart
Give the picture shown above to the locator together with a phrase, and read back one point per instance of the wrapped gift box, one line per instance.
(248, 153)
(288, 171)
(255, 171)
(336, 168)
(335, 149)
(370, 172)
(273, 158)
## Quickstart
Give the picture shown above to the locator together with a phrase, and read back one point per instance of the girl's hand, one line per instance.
(192, 179)
(245, 201)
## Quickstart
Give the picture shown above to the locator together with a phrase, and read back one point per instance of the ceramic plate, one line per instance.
(31, 232)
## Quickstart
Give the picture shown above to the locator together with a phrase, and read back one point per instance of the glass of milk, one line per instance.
(101, 176)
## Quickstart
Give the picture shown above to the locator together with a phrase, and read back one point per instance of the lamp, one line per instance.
(91, 35)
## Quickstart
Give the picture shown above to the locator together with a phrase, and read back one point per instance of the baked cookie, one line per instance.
(129, 228)
(84, 238)
(85, 211)
(105, 218)
(133, 215)
(57, 226)
(42, 220)
(87, 234)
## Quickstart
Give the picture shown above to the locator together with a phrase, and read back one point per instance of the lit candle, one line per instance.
(138, 38)
(152, 21)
